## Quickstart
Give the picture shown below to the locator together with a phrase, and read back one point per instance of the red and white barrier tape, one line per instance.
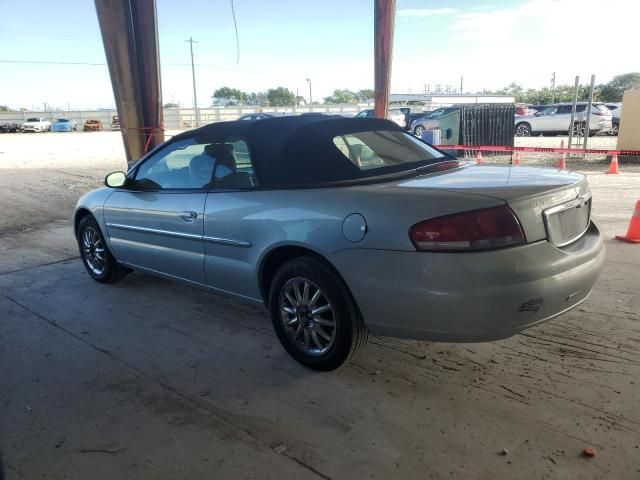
(500, 148)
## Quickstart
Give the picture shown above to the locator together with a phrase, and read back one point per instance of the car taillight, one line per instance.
(486, 229)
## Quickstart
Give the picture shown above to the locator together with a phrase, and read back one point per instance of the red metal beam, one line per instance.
(384, 14)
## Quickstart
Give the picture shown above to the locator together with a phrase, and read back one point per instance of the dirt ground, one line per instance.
(153, 379)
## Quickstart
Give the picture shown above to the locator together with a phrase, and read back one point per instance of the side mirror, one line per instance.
(115, 179)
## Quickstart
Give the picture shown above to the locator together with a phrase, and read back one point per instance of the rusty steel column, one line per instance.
(383, 19)
(129, 34)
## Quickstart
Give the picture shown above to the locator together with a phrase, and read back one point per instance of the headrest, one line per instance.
(218, 149)
(201, 161)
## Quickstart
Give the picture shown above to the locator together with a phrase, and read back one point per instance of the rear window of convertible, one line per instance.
(380, 149)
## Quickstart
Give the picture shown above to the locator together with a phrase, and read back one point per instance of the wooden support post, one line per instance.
(384, 15)
(145, 22)
(129, 35)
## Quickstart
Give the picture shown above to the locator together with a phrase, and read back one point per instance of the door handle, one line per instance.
(188, 216)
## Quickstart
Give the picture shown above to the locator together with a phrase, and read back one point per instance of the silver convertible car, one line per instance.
(348, 226)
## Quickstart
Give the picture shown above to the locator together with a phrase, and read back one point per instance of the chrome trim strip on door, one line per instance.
(227, 241)
(191, 236)
(168, 233)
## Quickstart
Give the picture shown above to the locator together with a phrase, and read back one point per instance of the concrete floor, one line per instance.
(153, 379)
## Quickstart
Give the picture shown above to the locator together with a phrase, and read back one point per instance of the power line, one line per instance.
(46, 62)
(235, 25)
(203, 65)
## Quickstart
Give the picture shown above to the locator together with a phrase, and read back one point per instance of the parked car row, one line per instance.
(40, 124)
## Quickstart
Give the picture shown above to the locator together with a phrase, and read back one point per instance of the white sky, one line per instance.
(282, 42)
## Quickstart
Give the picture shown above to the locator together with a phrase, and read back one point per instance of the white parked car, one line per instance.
(557, 119)
(36, 124)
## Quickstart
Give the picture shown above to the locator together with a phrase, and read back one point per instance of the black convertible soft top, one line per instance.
(296, 150)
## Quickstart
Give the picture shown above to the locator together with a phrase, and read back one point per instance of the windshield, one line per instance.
(62, 120)
(33, 119)
(385, 150)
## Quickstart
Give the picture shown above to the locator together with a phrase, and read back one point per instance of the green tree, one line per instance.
(228, 96)
(365, 94)
(281, 97)
(514, 90)
(342, 96)
(170, 105)
(4, 108)
(613, 91)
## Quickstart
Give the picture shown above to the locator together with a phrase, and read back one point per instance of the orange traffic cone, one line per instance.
(562, 158)
(479, 157)
(613, 166)
(516, 159)
(633, 233)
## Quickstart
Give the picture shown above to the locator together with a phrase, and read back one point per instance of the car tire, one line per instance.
(615, 128)
(314, 315)
(418, 131)
(523, 130)
(100, 264)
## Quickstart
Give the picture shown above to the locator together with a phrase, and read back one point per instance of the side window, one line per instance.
(549, 111)
(234, 168)
(581, 108)
(184, 164)
(564, 109)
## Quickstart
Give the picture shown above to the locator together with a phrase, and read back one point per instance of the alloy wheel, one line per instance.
(307, 316)
(523, 130)
(93, 251)
(614, 130)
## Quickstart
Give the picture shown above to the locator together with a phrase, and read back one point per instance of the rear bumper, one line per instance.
(470, 297)
(600, 125)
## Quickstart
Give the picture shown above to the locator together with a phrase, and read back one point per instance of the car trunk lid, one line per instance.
(549, 203)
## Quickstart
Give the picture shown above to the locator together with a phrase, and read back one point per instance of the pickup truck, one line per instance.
(36, 124)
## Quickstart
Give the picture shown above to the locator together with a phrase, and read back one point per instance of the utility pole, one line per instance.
(461, 83)
(553, 87)
(310, 97)
(193, 76)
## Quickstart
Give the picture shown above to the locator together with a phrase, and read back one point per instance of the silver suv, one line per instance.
(557, 119)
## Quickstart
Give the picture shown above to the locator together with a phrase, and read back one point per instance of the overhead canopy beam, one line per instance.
(383, 19)
(130, 37)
